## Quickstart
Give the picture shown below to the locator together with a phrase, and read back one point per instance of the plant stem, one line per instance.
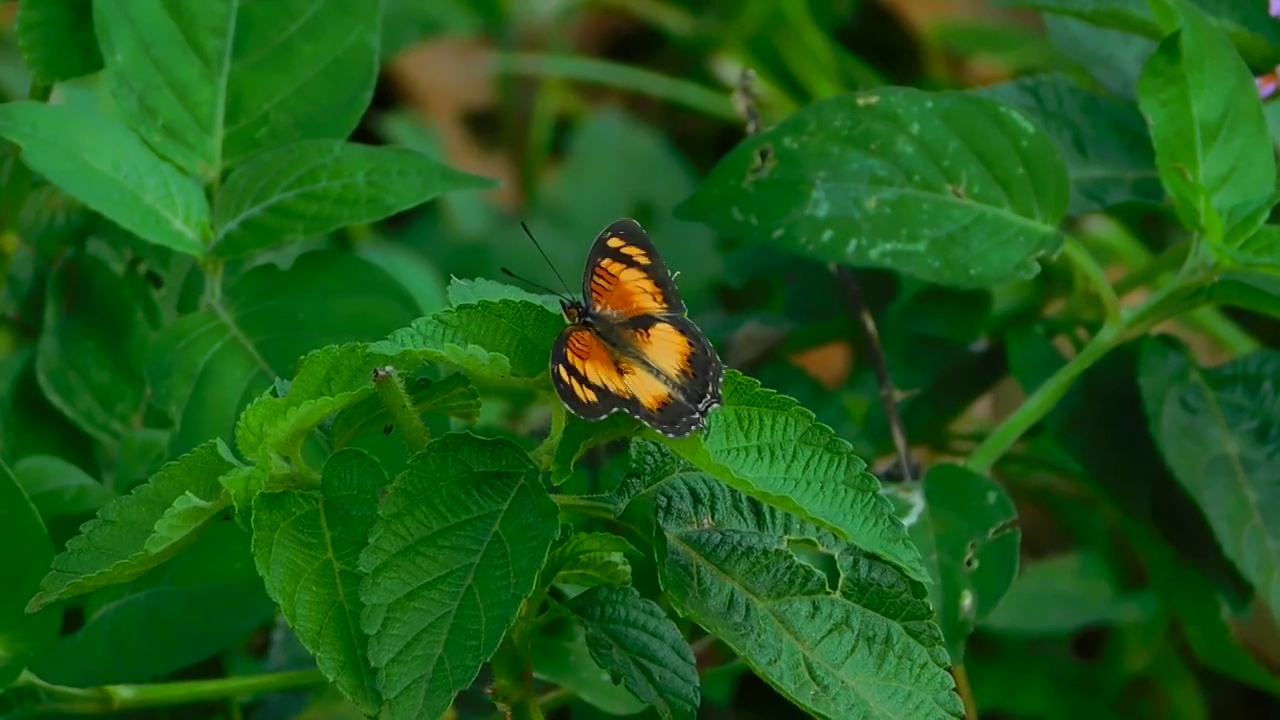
(105, 699)
(404, 414)
(587, 506)
(1042, 400)
(966, 693)
(1087, 266)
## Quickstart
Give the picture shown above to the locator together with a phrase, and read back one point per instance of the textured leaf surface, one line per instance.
(970, 547)
(307, 546)
(25, 560)
(580, 435)
(98, 161)
(466, 292)
(630, 636)
(1207, 124)
(769, 447)
(1219, 432)
(502, 340)
(587, 559)
(1104, 142)
(560, 655)
(93, 343)
(453, 395)
(202, 602)
(56, 39)
(947, 187)
(457, 547)
(206, 367)
(128, 537)
(313, 187)
(208, 86)
(863, 645)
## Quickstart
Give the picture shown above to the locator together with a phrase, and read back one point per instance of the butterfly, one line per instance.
(628, 345)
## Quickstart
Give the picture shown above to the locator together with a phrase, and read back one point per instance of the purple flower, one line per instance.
(1275, 8)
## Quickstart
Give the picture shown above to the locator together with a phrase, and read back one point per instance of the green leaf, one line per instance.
(1207, 124)
(587, 559)
(948, 187)
(410, 267)
(860, 644)
(560, 656)
(1104, 142)
(200, 603)
(99, 162)
(580, 435)
(136, 532)
(306, 546)
(633, 639)
(328, 380)
(1246, 23)
(97, 326)
(56, 39)
(453, 395)
(1064, 594)
(466, 292)
(1261, 249)
(969, 546)
(29, 552)
(457, 546)
(1112, 58)
(59, 489)
(313, 187)
(769, 447)
(1218, 430)
(208, 365)
(209, 86)
(507, 340)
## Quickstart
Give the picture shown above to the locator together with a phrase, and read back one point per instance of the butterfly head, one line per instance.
(573, 311)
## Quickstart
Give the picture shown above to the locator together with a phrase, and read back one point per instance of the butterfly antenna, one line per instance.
(544, 257)
(527, 281)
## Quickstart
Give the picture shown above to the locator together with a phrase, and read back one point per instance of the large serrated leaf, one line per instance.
(208, 86)
(136, 532)
(769, 447)
(26, 559)
(1207, 124)
(306, 546)
(497, 340)
(633, 639)
(948, 187)
(1219, 432)
(98, 161)
(457, 546)
(208, 365)
(312, 187)
(860, 645)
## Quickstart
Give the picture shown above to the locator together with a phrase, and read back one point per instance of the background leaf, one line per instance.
(99, 162)
(26, 559)
(57, 488)
(969, 546)
(460, 536)
(306, 546)
(1219, 432)
(208, 365)
(1207, 123)
(208, 88)
(56, 39)
(312, 187)
(560, 655)
(969, 196)
(113, 548)
(632, 638)
(793, 623)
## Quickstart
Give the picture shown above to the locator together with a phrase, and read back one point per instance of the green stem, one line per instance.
(404, 414)
(1087, 266)
(1041, 401)
(544, 454)
(601, 72)
(587, 506)
(1168, 261)
(105, 699)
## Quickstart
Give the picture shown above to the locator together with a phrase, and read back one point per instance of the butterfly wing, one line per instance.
(625, 277)
(662, 372)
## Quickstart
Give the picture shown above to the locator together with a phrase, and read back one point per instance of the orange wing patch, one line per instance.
(666, 347)
(588, 354)
(646, 387)
(626, 290)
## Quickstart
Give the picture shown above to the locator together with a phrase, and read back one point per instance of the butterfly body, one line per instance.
(628, 345)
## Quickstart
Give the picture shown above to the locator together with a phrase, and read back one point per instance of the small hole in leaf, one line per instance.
(807, 551)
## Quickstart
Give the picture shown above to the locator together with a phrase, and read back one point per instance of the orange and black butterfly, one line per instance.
(629, 346)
